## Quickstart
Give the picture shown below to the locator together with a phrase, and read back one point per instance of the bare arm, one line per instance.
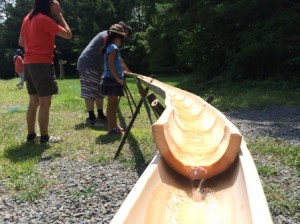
(21, 42)
(125, 68)
(56, 12)
(112, 67)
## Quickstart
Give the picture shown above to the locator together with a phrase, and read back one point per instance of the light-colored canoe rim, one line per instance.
(192, 134)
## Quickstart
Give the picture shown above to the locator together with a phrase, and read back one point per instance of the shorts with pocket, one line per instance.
(110, 87)
(90, 84)
(40, 79)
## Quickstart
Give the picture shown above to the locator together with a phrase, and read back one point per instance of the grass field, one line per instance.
(67, 120)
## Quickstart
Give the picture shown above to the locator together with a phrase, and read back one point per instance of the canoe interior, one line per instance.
(161, 195)
(165, 193)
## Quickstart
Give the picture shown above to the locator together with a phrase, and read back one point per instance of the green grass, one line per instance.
(246, 94)
(83, 192)
(67, 120)
(281, 151)
(277, 192)
(18, 160)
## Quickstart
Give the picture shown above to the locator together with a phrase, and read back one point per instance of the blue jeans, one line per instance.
(21, 76)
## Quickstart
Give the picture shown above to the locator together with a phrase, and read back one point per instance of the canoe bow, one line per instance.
(194, 138)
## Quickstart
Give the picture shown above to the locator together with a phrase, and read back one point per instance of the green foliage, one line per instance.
(238, 95)
(239, 40)
(82, 192)
(268, 45)
(280, 150)
(9, 35)
(133, 52)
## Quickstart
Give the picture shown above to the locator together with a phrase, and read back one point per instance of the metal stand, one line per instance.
(150, 98)
(128, 96)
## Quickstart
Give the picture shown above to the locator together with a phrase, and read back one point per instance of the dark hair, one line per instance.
(126, 26)
(111, 37)
(41, 6)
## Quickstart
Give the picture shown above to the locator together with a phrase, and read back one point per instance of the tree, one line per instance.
(14, 12)
(234, 39)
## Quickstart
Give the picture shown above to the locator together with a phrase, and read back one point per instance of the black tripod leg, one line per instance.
(137, 110)
(126, 93)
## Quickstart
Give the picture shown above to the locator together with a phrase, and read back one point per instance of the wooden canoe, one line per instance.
(192, 134)
(195, 141)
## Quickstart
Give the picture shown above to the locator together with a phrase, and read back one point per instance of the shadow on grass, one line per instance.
(107, 138)
(140, 162)
(25, 152)
(134, 146)
(138, 156)
(83, 125)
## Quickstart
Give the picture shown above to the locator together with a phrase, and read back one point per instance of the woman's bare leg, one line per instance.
(45, 103)
(31, 113)
(112, 103)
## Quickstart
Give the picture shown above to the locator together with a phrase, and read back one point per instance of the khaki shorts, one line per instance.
(40, 79)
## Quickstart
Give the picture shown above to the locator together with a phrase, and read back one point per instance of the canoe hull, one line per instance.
(163, 196)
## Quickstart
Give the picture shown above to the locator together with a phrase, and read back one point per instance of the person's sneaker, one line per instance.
(31, 138)
(115, 131)
(55, 139)
(89, 121)
(50, 139)
(98, 123)
(102, 117)
(121, 129)
(94, 123)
